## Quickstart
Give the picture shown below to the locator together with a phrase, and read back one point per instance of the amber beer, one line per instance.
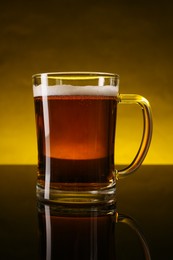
(76, 140)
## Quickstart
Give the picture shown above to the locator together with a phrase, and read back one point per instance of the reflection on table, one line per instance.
(77, 232)
(83, 232)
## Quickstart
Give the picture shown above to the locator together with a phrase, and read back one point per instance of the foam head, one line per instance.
(68, 90)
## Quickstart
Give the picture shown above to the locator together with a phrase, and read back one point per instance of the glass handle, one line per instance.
(121, 218)
(147, 131)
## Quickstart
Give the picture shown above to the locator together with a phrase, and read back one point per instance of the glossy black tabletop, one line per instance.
(146, 196)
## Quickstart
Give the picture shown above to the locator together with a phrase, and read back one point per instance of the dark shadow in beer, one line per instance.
(82, 232)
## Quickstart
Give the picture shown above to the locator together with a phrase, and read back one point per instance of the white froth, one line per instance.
(68, 90)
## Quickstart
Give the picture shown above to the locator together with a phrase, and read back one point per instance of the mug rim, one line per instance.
(76, 74)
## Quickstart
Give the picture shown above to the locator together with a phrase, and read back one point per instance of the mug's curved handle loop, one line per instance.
(147, 131)
(121, 218)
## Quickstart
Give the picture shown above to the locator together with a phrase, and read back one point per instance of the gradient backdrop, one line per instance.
(131, 38)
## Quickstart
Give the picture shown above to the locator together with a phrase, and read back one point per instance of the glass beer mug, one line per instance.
(76, 122)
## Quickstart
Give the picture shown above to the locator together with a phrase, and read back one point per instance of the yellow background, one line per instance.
(131, 38)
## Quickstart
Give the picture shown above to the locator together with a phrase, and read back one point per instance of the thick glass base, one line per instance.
(77, 197)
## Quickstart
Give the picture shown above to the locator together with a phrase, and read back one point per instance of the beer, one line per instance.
(76, 139)
(76, 234)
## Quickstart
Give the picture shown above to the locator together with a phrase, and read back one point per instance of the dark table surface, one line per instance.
(146, 196)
